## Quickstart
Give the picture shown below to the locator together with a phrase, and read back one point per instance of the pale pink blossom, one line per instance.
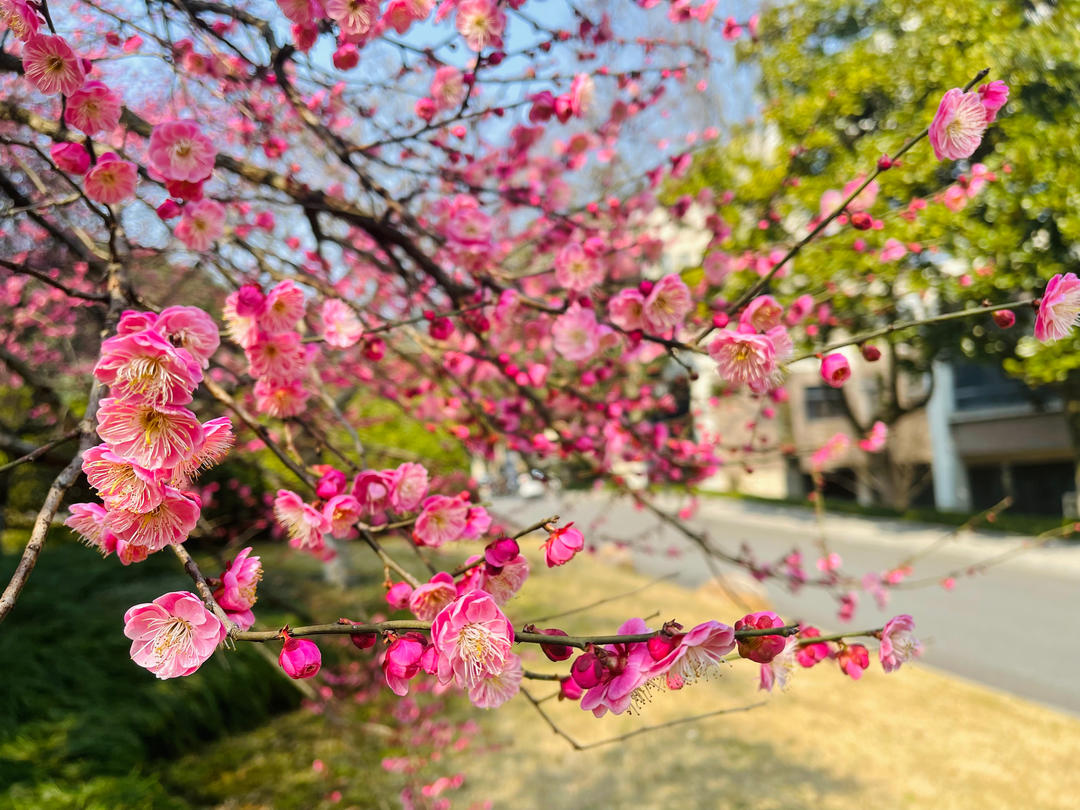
(743, 358)
(576, 334)
(201, 225)
(898, 643)
(761, 314)
(1059, 308)
(442, 520)
(477, 521)
(833, 447)
(582, 90)
(300, 12)
(121, 484)
(626, 309)
(155, 438)
(281, 398)
(667, 304)
(93, 108)
(428, 599)
(893, 250)
(171, 521)
(284, 308)
(503, 583)
(342, 512)
(494, 690)
(341, 327)
(695, 654)
(190, 328)
(448, 87)
(146, 366)
(88, 521)
(111, 180)
(354, 17)
(180, 151)
(472, 639)
(779, 670)
(958, 125)
(52, 66)
(303, 523)
(575, 270)
(173, 635)
(481, 23)
(410, 485)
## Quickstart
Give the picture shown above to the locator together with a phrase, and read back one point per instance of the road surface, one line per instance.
(1012, 627)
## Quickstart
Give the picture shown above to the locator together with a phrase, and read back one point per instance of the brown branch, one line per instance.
(36, 453)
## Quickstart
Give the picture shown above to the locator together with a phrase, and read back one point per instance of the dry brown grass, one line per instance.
(916, 738)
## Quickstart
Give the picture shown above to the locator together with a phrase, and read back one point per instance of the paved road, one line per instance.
(1012, 627)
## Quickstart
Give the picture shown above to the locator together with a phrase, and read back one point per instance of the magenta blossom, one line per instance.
(835, 369)
(146, 366)
(810, 654)
(562, 544)
(180, 151)
(190, 328)
(617, 673)
(898, 643)
(173, 635)
(151, 437)
(993, 95)
(402, 662)
(762, 649)
(52, 66)
(472, 638)
(236, 593)
(300, 658)
(853, 660)
(171, 521)
(1059, 309)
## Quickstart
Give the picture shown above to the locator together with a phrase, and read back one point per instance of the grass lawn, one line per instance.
(82, 727)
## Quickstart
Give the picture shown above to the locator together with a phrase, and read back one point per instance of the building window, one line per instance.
(978, 386)
(824, 402)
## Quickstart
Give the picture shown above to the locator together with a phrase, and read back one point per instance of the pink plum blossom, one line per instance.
(171, 521)
(52, 66)
(284, 308)
(402, 662)
(190, 328)
(202, 224)
(780, 669)
(575, 270)
(342, 513)
(341, 327)
(875, 442)
(236, 593)
(626, 667)
(898, 643)
(448, 87)
(481, 23)
(70, 157)
(695, 653)
(410, 485)
(180, 151)
(121, 484)
(153, 437)
(562, 544)
(304, 524)
(626, 309)
(427, 600)
(21, 18)
(442, 520)
(993, 95)
(276, 355)
(667, 304)
(93, 108)
(761, 314)
(173, 635)
(853, 660)
(1059, 308)
(281, 398)
(472, 639)
(576, 334)
(743, 358)
(958, 125)
(111, 180)
(147, 367)
(355, 17)
(494, 690)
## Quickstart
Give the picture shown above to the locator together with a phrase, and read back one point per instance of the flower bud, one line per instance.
(587, 670)
(363, 641)
(300, 658)
(870, 353)
(555, 652)
(862, 221)
(569, 689)
(761, 649)
(1004, 318)
(500, 552)
(835, 369)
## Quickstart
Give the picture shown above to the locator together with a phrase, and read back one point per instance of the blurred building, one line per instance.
(979, 437)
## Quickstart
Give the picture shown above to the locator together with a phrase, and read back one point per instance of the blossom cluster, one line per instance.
(265, 326)
(152, 443)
